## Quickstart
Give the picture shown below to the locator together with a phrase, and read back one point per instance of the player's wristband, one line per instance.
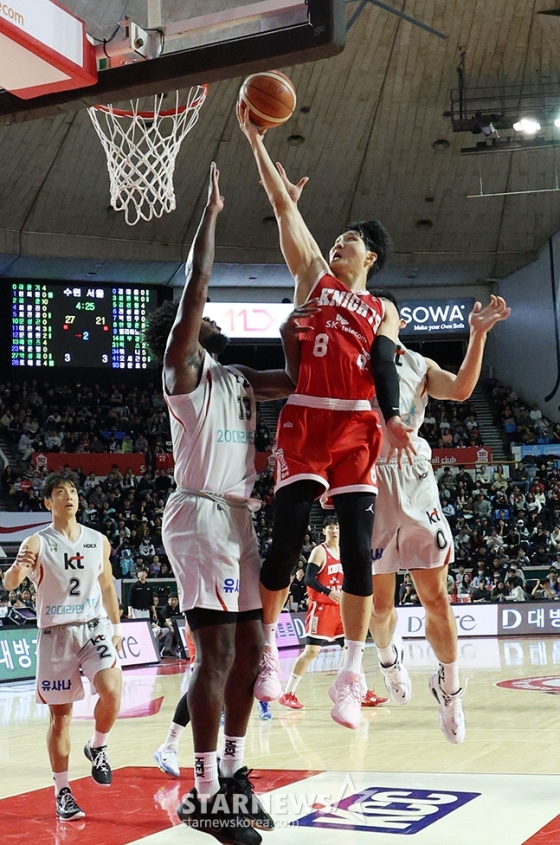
(117, 629)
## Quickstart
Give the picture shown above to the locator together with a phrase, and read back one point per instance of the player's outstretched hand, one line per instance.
(481, 320)
(249, 129)
(399, 436)
(294, 191)
(215, 199)
(292, 324)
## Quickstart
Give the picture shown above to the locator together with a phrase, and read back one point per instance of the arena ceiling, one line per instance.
(370, 130)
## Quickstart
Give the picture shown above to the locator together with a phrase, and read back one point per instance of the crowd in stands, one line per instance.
(519, 423)
(451, 425)
(504, 518)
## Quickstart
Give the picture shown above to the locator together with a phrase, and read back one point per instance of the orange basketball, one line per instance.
(270, 97)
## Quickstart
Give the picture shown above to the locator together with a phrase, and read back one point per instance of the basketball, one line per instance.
(270, 97)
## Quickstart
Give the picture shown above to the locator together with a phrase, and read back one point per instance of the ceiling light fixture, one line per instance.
(527, 125)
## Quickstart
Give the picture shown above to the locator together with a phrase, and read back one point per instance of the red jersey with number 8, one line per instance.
(335, 358)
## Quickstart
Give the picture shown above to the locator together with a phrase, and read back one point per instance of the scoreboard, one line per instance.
(80, 325)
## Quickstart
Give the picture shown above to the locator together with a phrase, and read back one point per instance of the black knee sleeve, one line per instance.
(182, 715)
(291, 518)
(355, 512)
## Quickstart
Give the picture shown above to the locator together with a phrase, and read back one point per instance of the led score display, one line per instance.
(80, 326)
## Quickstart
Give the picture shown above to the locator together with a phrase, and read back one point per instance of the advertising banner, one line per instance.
(473, 620)
(529, 618)
(18, 660)
(100, 463)
(468, 457)
(541, 449)
(261, 320)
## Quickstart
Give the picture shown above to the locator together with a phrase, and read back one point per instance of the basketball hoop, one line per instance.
(141, 149)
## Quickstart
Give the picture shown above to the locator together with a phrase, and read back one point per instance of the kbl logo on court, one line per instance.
(402, 811)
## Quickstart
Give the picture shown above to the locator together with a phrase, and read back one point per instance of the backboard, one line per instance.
(180, 44)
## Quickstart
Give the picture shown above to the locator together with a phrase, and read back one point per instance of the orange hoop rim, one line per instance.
(151, 115)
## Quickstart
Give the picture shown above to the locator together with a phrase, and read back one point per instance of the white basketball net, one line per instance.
(141, 149)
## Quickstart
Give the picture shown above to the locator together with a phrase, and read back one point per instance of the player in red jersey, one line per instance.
(323, 624)
(328, 436)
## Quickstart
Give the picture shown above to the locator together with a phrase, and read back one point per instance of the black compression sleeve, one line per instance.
(311, 580)
(385, 376)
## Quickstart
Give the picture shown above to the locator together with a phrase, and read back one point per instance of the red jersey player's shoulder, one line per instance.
(318, 556)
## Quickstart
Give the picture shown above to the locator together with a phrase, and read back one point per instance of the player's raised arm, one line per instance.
(445, 385)
(183, 355)
(301, 253)
(23, 565)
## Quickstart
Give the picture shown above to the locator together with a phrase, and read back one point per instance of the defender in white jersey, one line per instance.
(209, 536)
(79, 631)
(411, 531)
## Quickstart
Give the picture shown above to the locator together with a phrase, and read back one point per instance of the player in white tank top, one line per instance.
(412, 533)
(68, 575)
(79, 630)
(208, 531)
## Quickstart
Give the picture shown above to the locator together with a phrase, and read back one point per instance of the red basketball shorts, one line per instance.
(338, 449)
(323, 621)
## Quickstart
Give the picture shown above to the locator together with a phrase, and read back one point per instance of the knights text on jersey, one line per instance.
(67, 577)
(335, 360)
(330, 575)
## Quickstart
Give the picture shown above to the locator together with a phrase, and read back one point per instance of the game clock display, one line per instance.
(80, 326)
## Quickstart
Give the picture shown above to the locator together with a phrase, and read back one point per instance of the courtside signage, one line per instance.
(262, 320)
(17, 654)
(381, 809)
(18, 660)
(473, 620)
(530, 618)
(286, 633)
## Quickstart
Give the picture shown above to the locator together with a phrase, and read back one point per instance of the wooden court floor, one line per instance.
(393, 780)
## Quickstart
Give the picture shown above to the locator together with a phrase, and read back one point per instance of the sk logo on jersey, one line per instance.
(338, 321)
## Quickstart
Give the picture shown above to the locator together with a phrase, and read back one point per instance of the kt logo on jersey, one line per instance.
(382, 809)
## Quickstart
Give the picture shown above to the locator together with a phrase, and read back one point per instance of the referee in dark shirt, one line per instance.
(141, 598)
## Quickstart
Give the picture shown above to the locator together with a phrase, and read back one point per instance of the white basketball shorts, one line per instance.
(64, 650)
(410, 530)
(213, 552)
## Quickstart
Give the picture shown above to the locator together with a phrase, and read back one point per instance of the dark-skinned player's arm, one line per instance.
(387, 384)
(458, 387)
(109, 595)
(299, 249)
(182, 362)
(278, 384)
